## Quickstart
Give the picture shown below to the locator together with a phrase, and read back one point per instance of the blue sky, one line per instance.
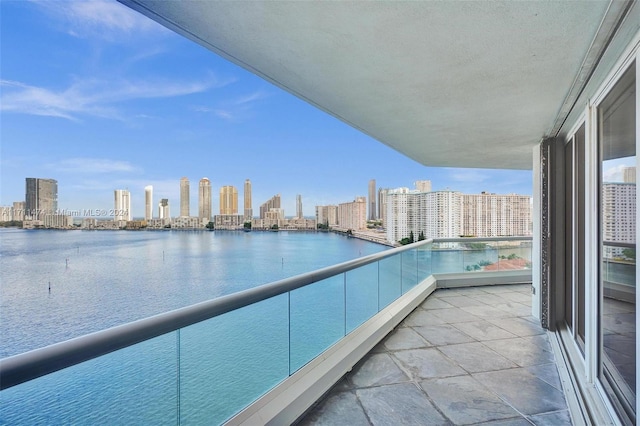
(99, 98)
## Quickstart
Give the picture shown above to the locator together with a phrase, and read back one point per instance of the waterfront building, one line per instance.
(228, 221)
(248, 209)
(19, 208)
(272, 203)
(204, 200)
(41, 197)
(228, 200)
(353, 215)
(435, 214)
(299, 213)
(89, 223)
(158, 223)
(423, 185)
(148, 203)
(184, 197)
(299, 224)
(327, 215)
(187, 222)
(372, 200)
(6, 214)
(382, 205)
(494, 215)
(57, 221)
(122, 205)
(163, 211)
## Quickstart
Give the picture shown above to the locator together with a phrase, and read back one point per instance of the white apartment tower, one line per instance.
(436, 214)
(163, 209)
(327, 215)
(248, 209)
(148, 202)
(353, 215)
(122, 205)
(204, 200)
(618, 216)
(184, 197)
(372, 200)
(493, 215)
(629, 175)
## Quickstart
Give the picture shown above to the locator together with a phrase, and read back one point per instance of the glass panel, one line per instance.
(568, 233)
(409, 270)
(390, 279)
(362, 295)
(138, 383)
(424, 262)
(617, 124)
(579, 244)
(229, 361)
(512, 255)
(317, 319)
(479, 256)
(446, 257)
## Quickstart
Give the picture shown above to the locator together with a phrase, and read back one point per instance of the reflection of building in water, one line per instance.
(618, 215)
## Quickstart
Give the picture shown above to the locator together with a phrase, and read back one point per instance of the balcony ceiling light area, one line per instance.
(459, 84)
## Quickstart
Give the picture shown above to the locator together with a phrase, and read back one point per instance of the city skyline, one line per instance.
(116, 112)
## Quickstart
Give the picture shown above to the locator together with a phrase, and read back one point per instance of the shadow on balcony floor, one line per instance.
(465, 356)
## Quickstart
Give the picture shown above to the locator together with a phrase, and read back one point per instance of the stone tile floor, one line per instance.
(465, 356)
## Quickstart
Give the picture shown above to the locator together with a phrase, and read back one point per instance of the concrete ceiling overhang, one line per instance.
(447, 83)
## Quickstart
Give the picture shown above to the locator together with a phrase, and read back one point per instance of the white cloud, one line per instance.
(93, 165)
(106, 20)
(233, 109)
(93, 97)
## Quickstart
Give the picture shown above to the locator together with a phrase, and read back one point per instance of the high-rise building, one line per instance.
(629, 175)
(436, 214)
(327, 215)
(148, 202)
(618, 216)
(382, 205)
(494, 215)
(299, 213)
(122, 205)
(353, 215)
(19, 208)
(184, 197)
(204, 199)
(423, 185)
(372, 200)
(248, 209)
(272, 203)
(163, 209)
(228, 200)
(41, 197)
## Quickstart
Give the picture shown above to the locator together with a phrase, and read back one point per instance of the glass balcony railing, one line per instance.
(205, 363)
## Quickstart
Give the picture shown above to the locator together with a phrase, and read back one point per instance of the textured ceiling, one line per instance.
(461, 84)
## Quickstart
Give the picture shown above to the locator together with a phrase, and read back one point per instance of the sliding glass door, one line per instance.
(617, 243)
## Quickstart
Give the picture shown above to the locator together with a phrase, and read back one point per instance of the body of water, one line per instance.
(99, 279)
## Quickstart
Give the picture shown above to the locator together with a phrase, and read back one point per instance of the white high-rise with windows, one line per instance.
(122, 205)
(353, 215)
(495, 215)
(436, 214)
(148, 202)
(204, 200)
(299, 213)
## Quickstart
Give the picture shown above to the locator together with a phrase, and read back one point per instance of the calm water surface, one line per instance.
(100, 279)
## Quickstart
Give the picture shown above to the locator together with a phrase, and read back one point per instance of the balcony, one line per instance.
(269, 354)
(464, 356)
